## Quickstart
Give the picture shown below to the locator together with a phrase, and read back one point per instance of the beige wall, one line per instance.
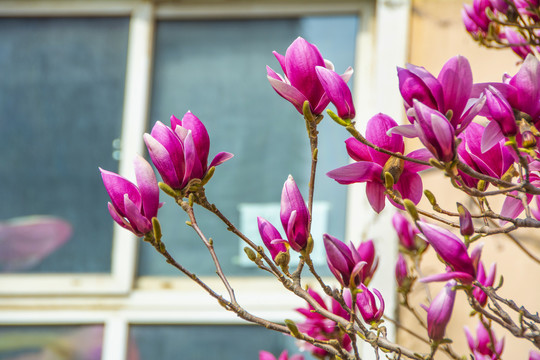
(437, 33)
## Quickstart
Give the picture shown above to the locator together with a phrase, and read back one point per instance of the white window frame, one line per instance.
(118, 300)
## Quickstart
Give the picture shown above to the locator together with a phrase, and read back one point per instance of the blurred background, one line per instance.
(81, 81)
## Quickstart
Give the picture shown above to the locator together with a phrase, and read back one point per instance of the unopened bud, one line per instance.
(208, 175)
(250, 253)
(388, 180)
(411, 209)
(156, 227)
(292, 328)
(529, 141)
(168, 190)
(449, 114)
(466, 226)
(337, 119)
(431, 198)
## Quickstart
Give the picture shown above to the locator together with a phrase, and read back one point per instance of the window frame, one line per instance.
(119, 299)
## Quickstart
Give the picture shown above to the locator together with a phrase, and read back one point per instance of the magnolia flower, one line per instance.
(350, 265)
(132, 206)
(180, 152)
(474, 17)
(365, 301)
(265, 355)
(482, 347)
(337, 91)
(440, 311)
(370, 164)
(449, 93)
(319, 327)
(294, 215)
(514, 37)
(300, 82)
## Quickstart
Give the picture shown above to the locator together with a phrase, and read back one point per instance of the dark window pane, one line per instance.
(216, 69)
(61, 96)
(198, 342)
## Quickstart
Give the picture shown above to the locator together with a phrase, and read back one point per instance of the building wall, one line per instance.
(437, 33)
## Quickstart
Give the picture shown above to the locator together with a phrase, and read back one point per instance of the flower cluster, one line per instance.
(495, 23)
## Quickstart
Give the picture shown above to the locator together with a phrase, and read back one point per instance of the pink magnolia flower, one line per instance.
(337, 91)
(349, 264)
(451, 92)
(514, 37)
(475, 18)
(132, 206)
(319, 327)
(440, 311)
(365, 301)
(265, 355)
(294, 215)
(180, 152)
(481, 347)
(300, 81)
(370, 164)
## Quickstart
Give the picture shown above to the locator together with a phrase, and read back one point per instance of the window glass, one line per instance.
(61, 97)
(51, 342)
(201, 342)
(216, 69)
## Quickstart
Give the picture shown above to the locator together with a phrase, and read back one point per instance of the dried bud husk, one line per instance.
(529, 140)
(394, 166)
(282, 259)
(509, 174)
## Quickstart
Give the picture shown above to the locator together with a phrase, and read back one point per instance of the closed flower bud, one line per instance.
(406, 231)
(367, 306)
(337, 91)
(466, 226)
(294, 215)
(482, 347)
(271, 238)
(501, 111)
(440, 311)
(402, 271)
(528, 140)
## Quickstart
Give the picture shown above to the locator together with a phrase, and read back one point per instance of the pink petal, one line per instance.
(289, 93)
(148, 186)
(360, 171)
(162, 161)
(375, 194)
(200, 136)
(377, 128)
(117, 186)
(456, 79)
(491, 136)
(220, 158)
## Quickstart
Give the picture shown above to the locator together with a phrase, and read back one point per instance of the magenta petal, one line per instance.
(457, 80)
(440, 311)
(265, 355)
(118, 218)
(301, 59)
(410, 186)
(140, 224)
(337, 91)
(268, 235)
(117, 186)
(281, 59)
(289, 93)
(375, 194)
(274, 75)
(470, 113)
(360, 171)
(357, 150)
(408, 131)
(418, 84)
(420, 154)
(162, 161)
(444, 133)
(193, 165)
(220, 158)
(527, 81)
(200, 136)
(377, 128)
(466, 278)
(512, 207)
(148, 187)
(172, 143)
(491, 136)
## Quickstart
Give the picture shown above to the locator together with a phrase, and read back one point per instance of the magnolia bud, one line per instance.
(529, 141)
